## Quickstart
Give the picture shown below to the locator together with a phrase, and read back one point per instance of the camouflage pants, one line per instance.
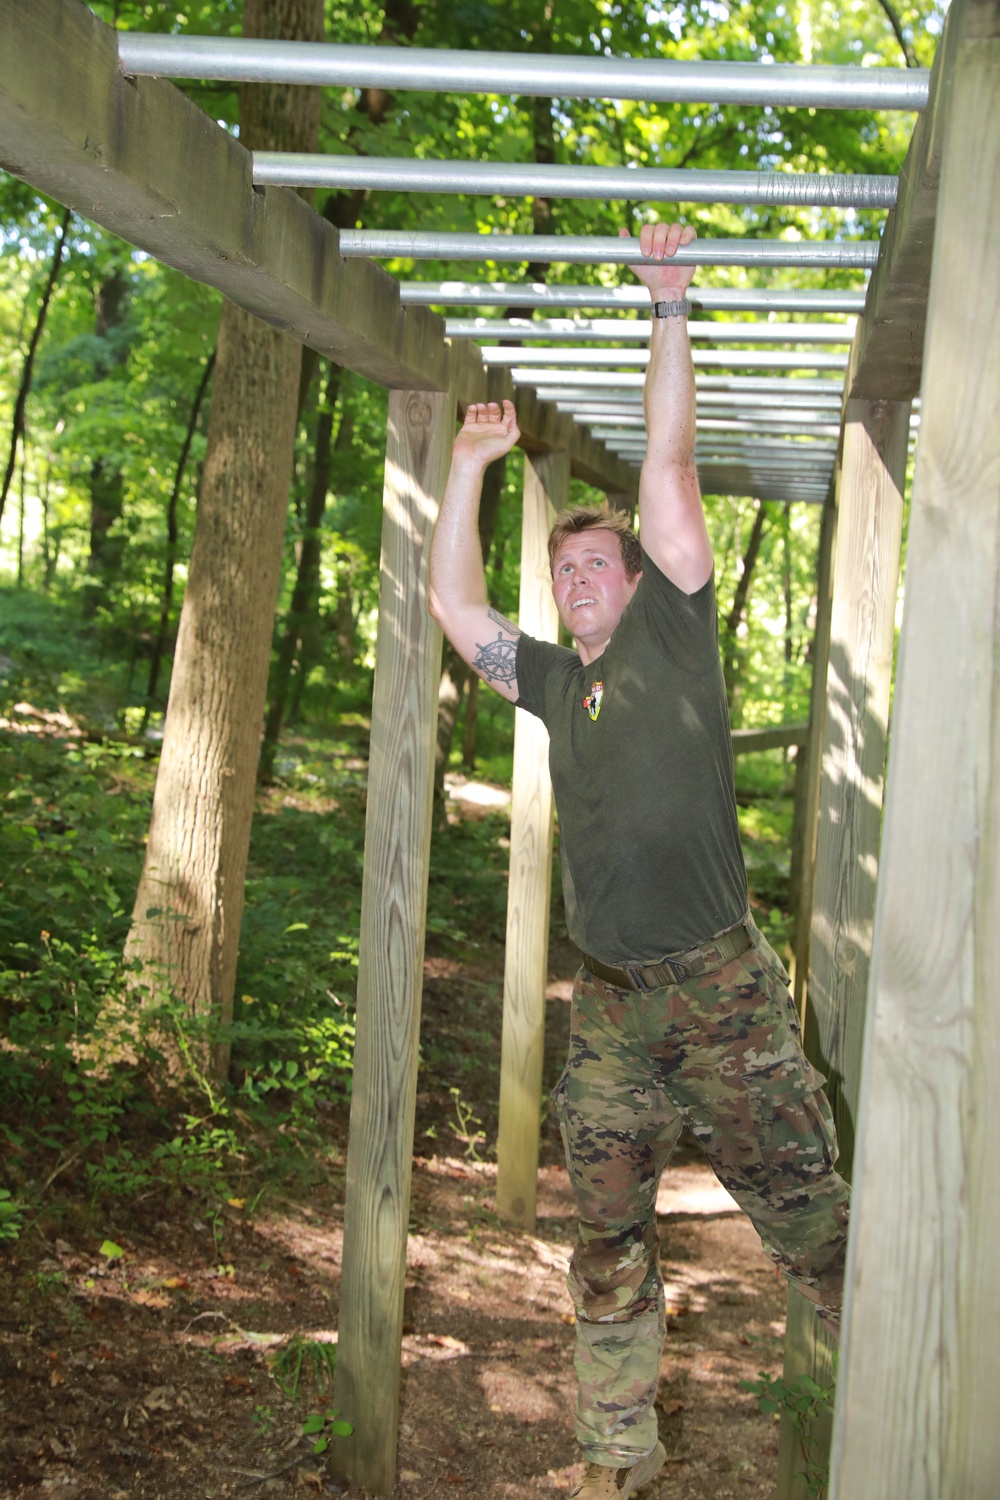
(722, 1054)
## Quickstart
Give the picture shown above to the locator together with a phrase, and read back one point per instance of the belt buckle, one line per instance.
(638, 978)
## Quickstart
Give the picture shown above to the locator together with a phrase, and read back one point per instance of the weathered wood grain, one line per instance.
(546, 490)
(778, 737)
(919, 1387)
(872, 481)
(865, 575)
(390, 971)
(807, 781)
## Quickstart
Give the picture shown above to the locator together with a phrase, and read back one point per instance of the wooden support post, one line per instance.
(390, 971)
(777, 737)
(807, 776)
(871, 482)
(919, 1384)
(546, 489)
(859, 674)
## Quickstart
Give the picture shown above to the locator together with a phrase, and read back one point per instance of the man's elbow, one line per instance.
(439, 611)
(435, 604)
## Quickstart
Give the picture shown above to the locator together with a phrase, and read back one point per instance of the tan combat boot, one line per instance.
(601, 1483)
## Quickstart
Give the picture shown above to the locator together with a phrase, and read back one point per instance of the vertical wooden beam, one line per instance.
(862, 635)
(546, 489)
(390, 971)
(919, 1386)
(865, 578)
(807, 777)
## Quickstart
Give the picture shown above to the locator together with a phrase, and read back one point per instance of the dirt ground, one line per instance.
(159, 1375)
(153, 1377)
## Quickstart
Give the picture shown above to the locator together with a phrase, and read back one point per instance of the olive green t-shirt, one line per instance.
(642, 769)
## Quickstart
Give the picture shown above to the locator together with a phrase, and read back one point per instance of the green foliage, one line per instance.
(11, 1216)
(468, 1123)
(801, 1401)
(302, 1363)
(324, 1425)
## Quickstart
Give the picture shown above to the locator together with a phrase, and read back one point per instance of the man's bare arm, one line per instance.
(457, 594)
(671, 518)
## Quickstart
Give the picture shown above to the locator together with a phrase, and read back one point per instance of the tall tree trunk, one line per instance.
(304, 594)
(311, 639)
(169, 567)
(186, 921)
(107, 483)
(47, 563)
(20, 525)
(731, 660)
(24, 386)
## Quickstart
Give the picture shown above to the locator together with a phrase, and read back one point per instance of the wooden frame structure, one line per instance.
(902, 1006)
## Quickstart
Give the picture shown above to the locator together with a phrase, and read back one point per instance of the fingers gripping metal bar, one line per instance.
(601, 249)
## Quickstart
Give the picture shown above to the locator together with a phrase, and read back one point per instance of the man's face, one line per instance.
(591, 588)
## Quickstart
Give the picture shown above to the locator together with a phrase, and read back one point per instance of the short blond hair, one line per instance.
(598, 518)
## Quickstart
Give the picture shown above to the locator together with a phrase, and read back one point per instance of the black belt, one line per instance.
(677, 967)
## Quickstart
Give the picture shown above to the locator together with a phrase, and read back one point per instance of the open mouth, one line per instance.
(578, 603)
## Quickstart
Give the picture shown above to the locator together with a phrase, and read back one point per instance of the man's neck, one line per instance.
(588, 654)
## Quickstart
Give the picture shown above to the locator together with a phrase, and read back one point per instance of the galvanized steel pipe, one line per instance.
(560, 385)
(768, 416)
(750, 359)
(638, 330)
(434, 70)
(708, 399)
(602, 249)
(774, 462)
(808, 447)
(531, 180)
(707, 298)
(726, 424)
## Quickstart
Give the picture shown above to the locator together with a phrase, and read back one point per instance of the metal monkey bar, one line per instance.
(529, 179)
(638, 330)
(747, 359)
(706, 298)
(430, 70)
(602, 249)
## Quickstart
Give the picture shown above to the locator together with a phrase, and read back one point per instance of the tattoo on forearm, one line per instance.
(496, 661)
(499, 619)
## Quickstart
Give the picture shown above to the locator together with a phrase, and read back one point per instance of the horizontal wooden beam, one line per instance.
(888, 362)
(139, 158)
(779, 737)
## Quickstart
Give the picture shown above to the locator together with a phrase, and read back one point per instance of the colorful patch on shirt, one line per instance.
(593, 700)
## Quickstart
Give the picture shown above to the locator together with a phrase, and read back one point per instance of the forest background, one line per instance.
(107, 380)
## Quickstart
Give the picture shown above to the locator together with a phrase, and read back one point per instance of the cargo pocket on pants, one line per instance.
(793, 1119)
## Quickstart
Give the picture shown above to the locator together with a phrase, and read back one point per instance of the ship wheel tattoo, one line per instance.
(496, 661)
